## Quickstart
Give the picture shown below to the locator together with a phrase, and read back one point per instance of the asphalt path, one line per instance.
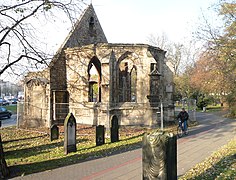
(213, 132)
(9, 122)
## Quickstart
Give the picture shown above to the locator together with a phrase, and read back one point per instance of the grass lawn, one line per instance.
(29, 152)
(220, 165)
(211, 108)
(12, 108)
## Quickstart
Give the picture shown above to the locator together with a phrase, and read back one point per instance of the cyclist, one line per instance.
(183, 116)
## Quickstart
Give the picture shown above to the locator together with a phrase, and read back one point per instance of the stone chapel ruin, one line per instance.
(98, 81)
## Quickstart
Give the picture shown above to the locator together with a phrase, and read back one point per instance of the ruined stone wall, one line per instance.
(39, 87)
(134, 55)
(70, 73)
(77, 60)
(36, 104)
(58, 73)
(110, 55)
(68, 81)
(36, 100)
(37, 75)
(135, 114)
(87, 31)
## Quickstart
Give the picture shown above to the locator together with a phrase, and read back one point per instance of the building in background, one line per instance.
(10, 90)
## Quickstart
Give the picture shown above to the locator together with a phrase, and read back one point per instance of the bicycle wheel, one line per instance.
(179, 131)
(186, 131)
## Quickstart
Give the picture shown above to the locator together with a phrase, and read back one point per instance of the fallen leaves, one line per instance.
(220, 165)
(32, 151)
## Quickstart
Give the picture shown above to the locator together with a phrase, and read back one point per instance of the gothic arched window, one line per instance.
(133, 84)
(91, 26)
(94, 79)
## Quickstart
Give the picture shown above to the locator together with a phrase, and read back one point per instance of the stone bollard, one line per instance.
(159, 156)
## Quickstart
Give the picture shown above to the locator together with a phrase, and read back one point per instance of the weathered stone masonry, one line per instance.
(111, 56)
(96, 80)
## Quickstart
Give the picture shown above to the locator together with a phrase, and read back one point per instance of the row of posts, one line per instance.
(70, 133)
(159, 149)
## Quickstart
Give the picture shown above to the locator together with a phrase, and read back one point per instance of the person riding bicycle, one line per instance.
(183, 116)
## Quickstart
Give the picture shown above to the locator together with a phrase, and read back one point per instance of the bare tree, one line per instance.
(175, 56)
(159, 41)
(20, 45)
(178, 55)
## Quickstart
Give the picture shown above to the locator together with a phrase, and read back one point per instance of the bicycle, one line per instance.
(180, 129)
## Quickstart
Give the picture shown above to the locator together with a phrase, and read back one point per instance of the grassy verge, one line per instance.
(214, 108)
(12, 108)
(29, 152)
(220, 165)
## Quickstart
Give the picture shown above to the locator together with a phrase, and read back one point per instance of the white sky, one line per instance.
(132, 21)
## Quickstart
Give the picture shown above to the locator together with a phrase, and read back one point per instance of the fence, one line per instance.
(30, 114)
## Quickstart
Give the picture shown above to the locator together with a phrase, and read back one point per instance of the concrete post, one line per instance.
(162, 117)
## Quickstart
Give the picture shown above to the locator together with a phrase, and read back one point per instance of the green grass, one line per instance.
(211, 108)
(12, 108)
(31, 152)
(220, 165)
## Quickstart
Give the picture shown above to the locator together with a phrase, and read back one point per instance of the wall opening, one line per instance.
(94, 80)
(133, 79)
(127, 81)
(91, 26)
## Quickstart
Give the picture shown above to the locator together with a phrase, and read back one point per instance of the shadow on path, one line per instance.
(69, 159)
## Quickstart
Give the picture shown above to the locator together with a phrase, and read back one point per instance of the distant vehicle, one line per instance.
(4, 102)
(13, 101)
(4, 113)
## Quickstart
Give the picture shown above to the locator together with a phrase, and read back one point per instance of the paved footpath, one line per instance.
(212, 133)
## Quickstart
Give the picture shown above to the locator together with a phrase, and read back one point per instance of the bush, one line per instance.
(202, 102)
(230, 98)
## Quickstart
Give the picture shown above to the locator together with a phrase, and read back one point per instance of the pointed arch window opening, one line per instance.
(91, 26)
(133, 79)
(127, 83)
(94, 80)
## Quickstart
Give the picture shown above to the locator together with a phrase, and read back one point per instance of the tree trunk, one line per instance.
(3, 165)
